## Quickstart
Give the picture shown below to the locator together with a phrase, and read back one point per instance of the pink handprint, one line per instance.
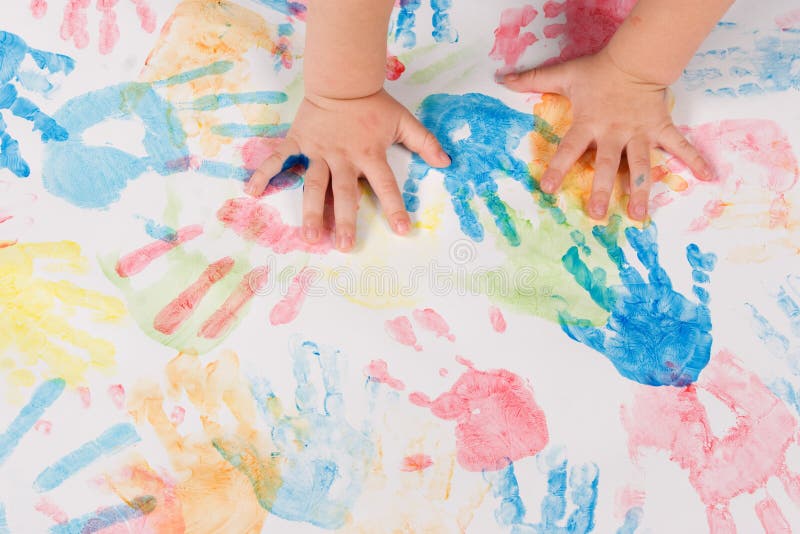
(498, 419)
(720, 467)
(509, 40)
(75, 22)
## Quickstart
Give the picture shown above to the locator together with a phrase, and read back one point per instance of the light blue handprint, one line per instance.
(95, 176)
(582, 481)
(322, 460)
(404, 30)
(480, 134)
(779, 344)
(654, 335)
(13, 51)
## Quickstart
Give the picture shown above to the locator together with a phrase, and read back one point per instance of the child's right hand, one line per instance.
(343, 140)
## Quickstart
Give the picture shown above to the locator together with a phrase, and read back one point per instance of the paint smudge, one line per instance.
(588, 24)
(287, 7)
(430, 320)
(13, 51)
(497, 418)
(288, 308)
(509, 40)
(37, 311)
(116, 393)
(582, 482)
(480, 158)
(497, 320)
(107, 517)
(394, 68)
(416, 462)
(401, 330)
(720, 468)
(378, 371)
(654, 335)
(789, 21)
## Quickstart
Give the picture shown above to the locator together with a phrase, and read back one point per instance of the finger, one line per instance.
(384, 183)
(344, 181)
(606, 164)
(419, 140)
(674, 142)
(570, 149)
(549, 79)
(638, 153)
(270, 167)
(315, 184)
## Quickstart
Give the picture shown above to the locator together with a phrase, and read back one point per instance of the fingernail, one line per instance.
(548, 186)
(345, 242)
(401, 227)
(638, 211)
(598, 208)
(511, 77)
(311, 233)
(444, 158)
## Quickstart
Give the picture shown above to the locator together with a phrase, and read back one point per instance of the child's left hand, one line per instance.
(614, 112)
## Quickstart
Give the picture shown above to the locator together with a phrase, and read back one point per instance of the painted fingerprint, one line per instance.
(654, 335)
(13, 52)
(720, 467)
(75, 22)
(404, 25)
(497, 418)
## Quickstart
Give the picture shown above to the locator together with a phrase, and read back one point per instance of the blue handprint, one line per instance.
(583, 481)
(95, 176)
(779, 343)
(404, 27)
(480, 134)
(654, 335)
(13, 51)
(321, 461)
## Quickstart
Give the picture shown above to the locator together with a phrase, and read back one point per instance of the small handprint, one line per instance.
(498, 419)
(13, 51)
(480, 134)
(654, 335)
(404, 26)
(721, 468)
(74, 23)
(321, 459)
(582, 482)
(35, 331)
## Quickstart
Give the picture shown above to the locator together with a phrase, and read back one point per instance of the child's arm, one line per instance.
(619, 98)
(347, 121)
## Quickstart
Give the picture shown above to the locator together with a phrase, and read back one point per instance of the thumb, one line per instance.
(420, 140)
(548, 79)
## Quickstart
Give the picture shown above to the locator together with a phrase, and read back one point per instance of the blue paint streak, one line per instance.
(13, 51)
(480, 159)
(583, 482)
(633, 519)
(106, 517)
(406, 21)
(654, 335)
(443, 31)
(44, 396)
(215, 102)
(160, 231)
(108, 443)
(286, 7)
(315, 449)
(3, 520)
(784, 390)
(214, 69)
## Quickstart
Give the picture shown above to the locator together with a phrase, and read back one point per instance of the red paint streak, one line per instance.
(117, 394)
(39, 8)
(497, 417)
(400, 330)
(509, 42)
(109, 31)
(378, 370)
(589, 24)
(5, 218)
(176, 312)
(147, 18)
(720, 467)
(416, 462)
(177, 416)
(789, 20)
(771, 517)
(394, 68)
(222, 319)
(262, 224)
(497, 319)
(85, 395)
(73, 25)
(287, 309)
(432, 321)
(443, 372)
(43, 426)
(627, 498)
(136, 261)
(51, 510)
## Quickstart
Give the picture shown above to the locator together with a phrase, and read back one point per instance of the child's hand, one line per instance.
(615, 112)
(343, 140)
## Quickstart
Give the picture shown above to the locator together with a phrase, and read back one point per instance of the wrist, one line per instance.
(635, 68)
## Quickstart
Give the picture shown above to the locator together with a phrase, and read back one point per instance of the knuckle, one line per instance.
(606, 162)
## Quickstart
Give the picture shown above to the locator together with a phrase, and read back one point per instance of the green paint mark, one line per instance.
(443, 65)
